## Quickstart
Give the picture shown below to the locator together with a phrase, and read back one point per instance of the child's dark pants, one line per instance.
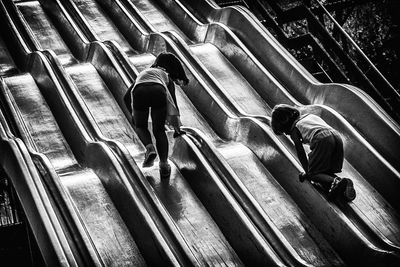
(152, 95)
(326, 157)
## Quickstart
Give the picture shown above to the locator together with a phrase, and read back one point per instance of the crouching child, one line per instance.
(326, 157)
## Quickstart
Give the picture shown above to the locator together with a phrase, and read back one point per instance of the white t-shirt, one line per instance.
(153, 75)
(160, 76)
(311, 126)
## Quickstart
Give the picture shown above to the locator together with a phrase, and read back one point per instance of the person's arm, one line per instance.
(171, 89)
(174, 120)
(297, 139)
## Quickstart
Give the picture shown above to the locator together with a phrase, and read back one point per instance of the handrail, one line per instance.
(388, 84)
(372, 81)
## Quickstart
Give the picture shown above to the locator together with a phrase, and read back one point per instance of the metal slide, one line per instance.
(29, 174)
(308, 243)
(296, 80)
(46, 121)
(205, 239)
(208, 53)
(202, 234)
(251, 105)
(363, 74)
(317, 251)
(49, 230)
(98, 214)
(230, 164)
(246, 100)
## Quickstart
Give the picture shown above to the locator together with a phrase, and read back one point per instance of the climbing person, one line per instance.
(154, 88)
(326, 157)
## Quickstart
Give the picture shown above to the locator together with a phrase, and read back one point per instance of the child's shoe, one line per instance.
(342, 186)
(165, 170)
(349, 192)
(338, 186)
(150, 156)
(303, 176)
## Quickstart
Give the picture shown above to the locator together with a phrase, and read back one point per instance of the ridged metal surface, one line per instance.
(100, 217)
(233, 198)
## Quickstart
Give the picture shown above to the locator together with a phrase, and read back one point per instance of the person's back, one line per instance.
(153, 75)
(311, 127)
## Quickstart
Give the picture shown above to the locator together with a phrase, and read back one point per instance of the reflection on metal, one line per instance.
(233, 197)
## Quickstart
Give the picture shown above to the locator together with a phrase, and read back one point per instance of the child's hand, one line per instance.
(178, 133)
(303, 176)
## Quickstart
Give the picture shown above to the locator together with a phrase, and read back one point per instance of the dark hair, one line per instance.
(282, 118)
(172, 65)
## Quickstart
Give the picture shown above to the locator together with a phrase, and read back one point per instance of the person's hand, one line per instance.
(181, 82)
(175, 122)
(178, 133)
(303, 176)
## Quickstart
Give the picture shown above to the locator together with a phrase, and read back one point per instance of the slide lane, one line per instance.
(104, 225)
(44, 30)
(153, 15)
(103, 29)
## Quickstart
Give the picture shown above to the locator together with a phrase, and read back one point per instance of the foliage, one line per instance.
(374, 28)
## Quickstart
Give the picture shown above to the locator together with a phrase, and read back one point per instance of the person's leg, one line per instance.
(158, 117)
(141, 104)
(141, 119)
(319, 162)
(324, 179)
(345, 186)
(141, 101)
